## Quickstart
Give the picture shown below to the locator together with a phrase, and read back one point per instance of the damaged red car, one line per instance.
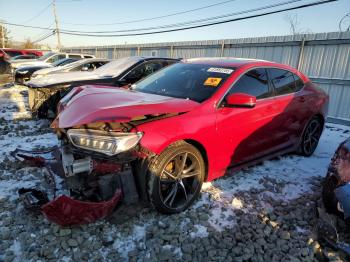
(161, 138)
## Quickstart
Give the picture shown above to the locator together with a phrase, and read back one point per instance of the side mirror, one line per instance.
(84, 68)
(240, 100)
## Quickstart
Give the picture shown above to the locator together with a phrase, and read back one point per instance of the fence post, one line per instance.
(114, 48)
(301, 53)
(171, 51)
(138, 50)
(222, 48)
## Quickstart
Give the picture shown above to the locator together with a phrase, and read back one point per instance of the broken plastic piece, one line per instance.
(33, 199)
(66, 211)
(50, 158)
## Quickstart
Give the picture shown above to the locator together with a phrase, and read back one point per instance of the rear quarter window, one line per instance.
(282, 80)
(299, 84)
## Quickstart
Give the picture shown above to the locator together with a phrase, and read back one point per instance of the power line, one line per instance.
(154, 18)
(44, 37)
(190, 22)
(208, 24)
(43, 32)
(38, 14)
(166, 26)
(81, 33)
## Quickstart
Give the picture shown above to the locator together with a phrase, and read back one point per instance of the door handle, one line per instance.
(302, 99)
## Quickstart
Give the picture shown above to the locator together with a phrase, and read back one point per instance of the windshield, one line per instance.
(116, 67)
(190, 81)
(47, 55)
(64, 61)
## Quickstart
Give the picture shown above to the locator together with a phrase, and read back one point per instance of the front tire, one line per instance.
(310, 137)
(175, 178)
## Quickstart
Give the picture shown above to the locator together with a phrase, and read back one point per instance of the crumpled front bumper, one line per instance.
(62, 210)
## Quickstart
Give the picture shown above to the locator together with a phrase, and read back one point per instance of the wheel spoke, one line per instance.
(314, 130)
(183, 162)
(190, 168)
(190, 174)
(168, 174)
(171, 193)
(183, 188)
(174, 194)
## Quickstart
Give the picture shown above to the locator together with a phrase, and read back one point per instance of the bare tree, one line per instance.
(5, 40)
(295, 24)
(28, 44)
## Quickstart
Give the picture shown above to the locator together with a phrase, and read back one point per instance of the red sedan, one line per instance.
(185, 124)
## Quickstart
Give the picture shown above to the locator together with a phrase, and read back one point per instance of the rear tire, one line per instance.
(310, 137)
(175, 178)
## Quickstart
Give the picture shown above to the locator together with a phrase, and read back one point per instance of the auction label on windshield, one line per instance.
(212, 81)
(220, 70)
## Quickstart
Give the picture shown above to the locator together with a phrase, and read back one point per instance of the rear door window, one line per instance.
(75, 56)
(254, 82)
(282, 81)
(56, 58)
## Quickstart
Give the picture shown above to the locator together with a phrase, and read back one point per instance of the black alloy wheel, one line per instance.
(176, 178)
(311, 137)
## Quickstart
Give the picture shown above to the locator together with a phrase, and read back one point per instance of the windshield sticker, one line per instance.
(220, 70)
(212, 81)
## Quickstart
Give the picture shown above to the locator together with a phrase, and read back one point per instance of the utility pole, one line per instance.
(57, 29)
(2, 36)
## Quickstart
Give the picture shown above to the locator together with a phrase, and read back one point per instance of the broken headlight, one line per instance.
(108, 143)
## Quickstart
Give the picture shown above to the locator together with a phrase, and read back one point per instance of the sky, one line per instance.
(323, 18)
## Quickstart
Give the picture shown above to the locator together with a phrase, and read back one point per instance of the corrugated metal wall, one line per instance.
(324, 57)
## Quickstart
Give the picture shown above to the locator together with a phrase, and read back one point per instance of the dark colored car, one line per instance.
(24, 57)
(23, 74)
(183, 125)
(333, 225)
(44, 93)
(336, 187)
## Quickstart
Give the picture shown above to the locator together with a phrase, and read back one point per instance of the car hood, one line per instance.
(30, 68)
(110, 104)
(68, 77)
(45, 71)
(18, 64)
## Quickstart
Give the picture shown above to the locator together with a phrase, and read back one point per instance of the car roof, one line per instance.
(226, 61)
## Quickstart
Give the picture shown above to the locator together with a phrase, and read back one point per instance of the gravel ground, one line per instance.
(264, 213)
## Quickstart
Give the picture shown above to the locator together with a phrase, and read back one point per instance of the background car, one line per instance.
(7, 53)
(186, 124)
(336, 187)
(45, 93)
(46, 59)
(12, 52)
(24, 73)
(87, 65)
(24, 57)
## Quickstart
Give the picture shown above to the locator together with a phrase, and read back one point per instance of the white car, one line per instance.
(46, 59)
(89, 64)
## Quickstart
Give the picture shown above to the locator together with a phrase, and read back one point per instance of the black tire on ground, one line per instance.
(311, 137)
(175, 178)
